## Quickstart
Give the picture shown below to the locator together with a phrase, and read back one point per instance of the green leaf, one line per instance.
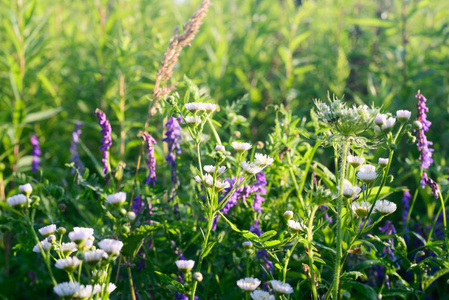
(250, 236)
(384, 192)
(208, 248)
(172, 284)
(367, 264)
(134, 241)
(399, 292)
(267, 235)
(352, 275)
(42, 115)
(233, 227)
(365, 290)
(428, 280)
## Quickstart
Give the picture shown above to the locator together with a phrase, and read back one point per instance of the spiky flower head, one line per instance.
(350, 191)
(355, 161)
(68, 248)
(17, 201)
(262, 160)
(47, 230)
(296, 226)
(117, 199)
(248, 284)
(251, 167)
(241, 147)
(45, 244)
(185, 266)
(385, 207)
(66, 290)
(93, 257)
(261, 295)
(26, 189)
(211, 169)
(383, 162)
(361, 209)
(281, 288)
(111, 247)
(403, 115)
(68, 264)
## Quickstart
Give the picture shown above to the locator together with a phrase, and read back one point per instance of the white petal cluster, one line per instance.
(17, 200)
(220, 148)
(361, 209)
(86, 291)
(367, 173)
(185, 265)
(209, 181)
(110, 246)
(240, 147)
(248, 284)
(389, 123)
(251, 167)
(93, 257)
(296, 226)
(380, 119)
(44, 244)
(288, 214)
(403, 115)
(67, 264)
(199, 106)
(117, 198)
(385, 207)
(261, 295)
(47, 230)
(262, 159)
(111, 287)
(26, 188)
(66, 289)
(193, 120)
(383, 162)
(350, 191)
(80, 234)
(211, 169)
(355, 161)
(281, 288)
(68, 248)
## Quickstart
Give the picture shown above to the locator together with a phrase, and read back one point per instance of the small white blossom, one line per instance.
(193, 120)
(111, 247)
(211, 169)
(185, 265)
(198, 179)
(93, 257)
(240, 147)
(197, 276)
(117, 199)
(261, 295)
(380, 119)
(45, 245)
(385, 207)
(350, 191)
(26, 188)
(367, 168)
(86, 291)
(262, 159)
(281, 288)
(296, 226)
(361, 209)
(383, 162)
(209, 107)
(194, 106)
(388, 124)
(47, 230)
(220, 148)
(355, 161)
(403, 115)
(67, 289)
(288, 214)
(80, 234)
(248, 284)
(67, 264)
(111, 287)
(17, 200)
(367, 176)
(251, 167)
(68, 248)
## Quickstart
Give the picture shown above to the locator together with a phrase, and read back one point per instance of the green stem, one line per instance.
(131, 285)
(298, 191)
(310, 246)
(212, 127)
(338, 256)
(443, 202)
(287, 259)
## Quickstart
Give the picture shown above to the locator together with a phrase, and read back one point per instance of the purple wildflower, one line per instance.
(179, 296)
(151, 164)
(259, 187)
(107, 140)
(137, 205)
(173, 138)
(75, 158)
(388, 229)
(426, 180)
(34, 140)
(425, 156)
(324, 208)
(405, 206)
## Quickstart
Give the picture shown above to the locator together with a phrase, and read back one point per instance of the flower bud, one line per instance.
(62, 230)
(408, 127)
(51, 238)
(380, 119)
(390, 178)
(123, 211)
(197, 276)
(125, 229)
(26, 189)
(237, 134)
(170, 100)
(131, 216)
(417, 125)
(220, 148)
(393, 146)
(411, 140)
(383, 162)
(247, 245)
(259, 145)
(288, 215)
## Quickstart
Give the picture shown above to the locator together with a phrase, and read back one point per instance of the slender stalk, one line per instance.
(287, 259)
(442, 208)
(212, 127)
(310, 246)
(338, 256)
(298, 190)
(131, 285)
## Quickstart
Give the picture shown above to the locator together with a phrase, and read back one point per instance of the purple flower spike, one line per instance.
(75, 158)
(34, 140)
(107, 140)
(425, 156)
(406, 206)
(173, 138)
(151, 164)
(425, 180)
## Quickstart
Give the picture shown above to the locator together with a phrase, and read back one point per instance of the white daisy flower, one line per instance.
(251, 167)
(262, 159)
(296, 226)
(209, 107)
(111, 287)
(192, 121)
(361, 209)
(383, 162)
(388, 124)
(111, 247)
(367, 176)
(80, 234)
(248, 284)
(261, 295)
(67, 264)
(350, 191)
(117, 199)
(93, 257)
(403, 115)
(17, 200)
(367, 168)
(44, 244)
(281, 288)
(288, 214)
(220, 148)
(220, 185)
(86, 291)
(194, 106)
(211, 169)
(67, 290)
(87, 244)
(380, 119)
(241, 147)
(198, 179)
(185, 265)
(385, 207)
(47, 230)
(355, 161)
(68, 248)
(26, 189)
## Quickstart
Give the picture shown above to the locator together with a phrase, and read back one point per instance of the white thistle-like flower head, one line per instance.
(263, 159)
(380, 119)
(26, 189)
(355, 161)
(93, 257)
(44, 244)
(220, 148)
(47, 230)
(66, 290)
(111, 287)
(17, 200)
(185, 265)
(367, 168)
(350, 191)
(211, 169)
(209, 107)
(194, 106)
(68, 248)
(248, 284)
(367, 176)
(403, 115)
(192, 121)
(261, 295)
(251, 167)
(281, 288)
(385, 207)
(388, 124)
(67, 264)
(117, 199)
(80, 234)
(361, 209)
(241, 147)
(86, 291)
(383, 162)
(111, 247)
(296, 226)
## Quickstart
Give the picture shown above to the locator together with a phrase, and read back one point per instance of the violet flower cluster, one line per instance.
(405, 207)
(151, 163)
(36, 152)
(107, 140)
(425, 155)
(75, 158)
(173, 138)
